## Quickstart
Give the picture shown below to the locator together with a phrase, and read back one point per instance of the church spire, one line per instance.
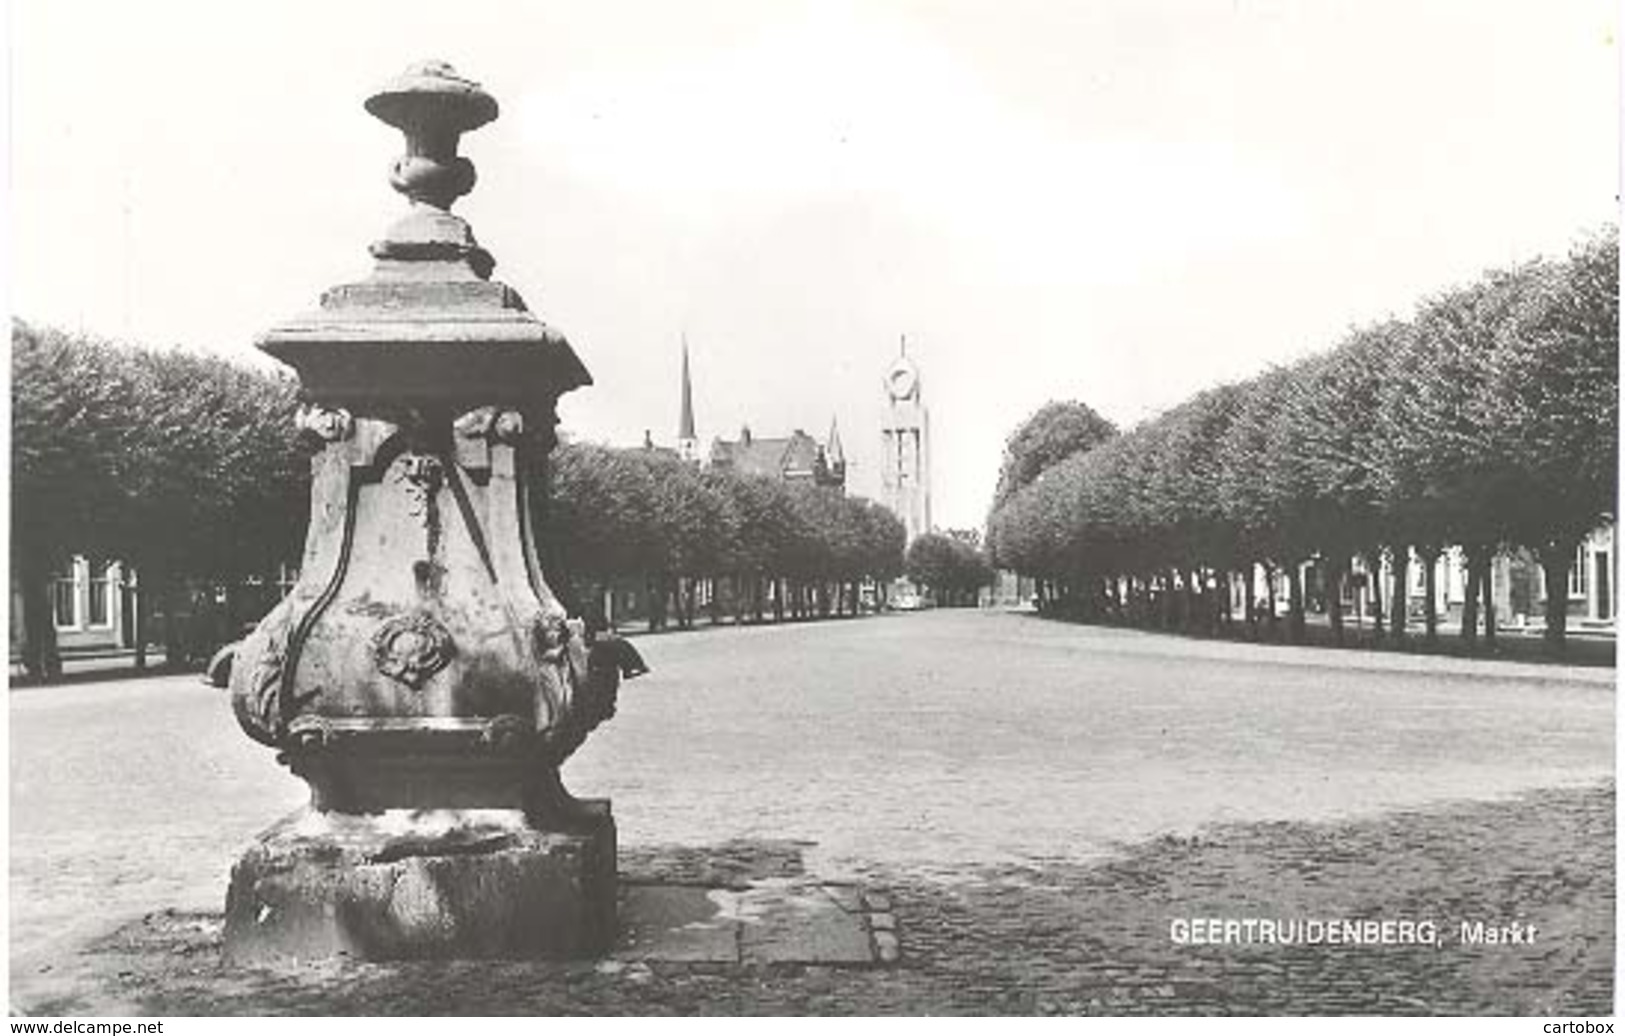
(832, 448)
(687, 442)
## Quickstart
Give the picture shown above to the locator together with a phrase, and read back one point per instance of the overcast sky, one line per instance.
(1117, 202)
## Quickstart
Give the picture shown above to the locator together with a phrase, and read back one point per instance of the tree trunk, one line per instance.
(175, 654)
(1274, 603)
(1336, 567)
(1488, 576)
(1373, 559)
(1469, 604)
(1250, 587)
(138, 614)
(1430, 589)
(1399, 614)
(40, 655)
(1295, 618)
(1555, 562)
(1190, 603)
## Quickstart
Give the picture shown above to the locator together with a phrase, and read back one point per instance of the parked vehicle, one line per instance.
(907, 601)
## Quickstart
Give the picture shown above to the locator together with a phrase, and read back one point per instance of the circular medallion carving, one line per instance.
(325, 423)
(411, 648)
(508, 426)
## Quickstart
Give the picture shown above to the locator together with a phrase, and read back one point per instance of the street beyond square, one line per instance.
(1049, 807)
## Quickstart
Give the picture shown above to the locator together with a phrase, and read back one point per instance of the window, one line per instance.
(101, 589)
(1577, 573)
(65, 600)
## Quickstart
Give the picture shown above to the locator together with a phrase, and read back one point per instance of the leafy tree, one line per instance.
(70, 404)
(1554, 401)
(1488, 420)
(600, 520)
(1052, 434)
(952, 569)
(186, 466)
(617, 514)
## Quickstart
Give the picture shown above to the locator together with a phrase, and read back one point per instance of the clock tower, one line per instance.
(905, 471)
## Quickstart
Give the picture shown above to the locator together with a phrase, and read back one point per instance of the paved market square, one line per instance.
(961, 754)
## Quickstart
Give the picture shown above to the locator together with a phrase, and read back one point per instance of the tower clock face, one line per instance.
(900, 381)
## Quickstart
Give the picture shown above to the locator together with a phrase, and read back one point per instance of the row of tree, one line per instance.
(744, 545)
(180, 465)
(949, 565)
(1487, 421)
(190, 469)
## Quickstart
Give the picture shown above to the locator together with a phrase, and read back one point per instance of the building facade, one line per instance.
(797, 457)
(1518, 588)
(92, 605)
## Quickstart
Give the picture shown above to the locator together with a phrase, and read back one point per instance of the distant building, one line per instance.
(1518, 581)
(905, 464)
(650, 446)
(797, 458)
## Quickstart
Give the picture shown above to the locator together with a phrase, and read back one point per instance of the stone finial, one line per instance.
(432, 106)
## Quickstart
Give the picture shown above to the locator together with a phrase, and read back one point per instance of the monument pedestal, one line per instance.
(414, 884)
(421, 676)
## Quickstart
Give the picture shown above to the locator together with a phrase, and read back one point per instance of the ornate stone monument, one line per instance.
(421, 677)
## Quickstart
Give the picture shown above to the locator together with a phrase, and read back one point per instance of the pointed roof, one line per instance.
(685, 419)
(791, 457)
(832, 448)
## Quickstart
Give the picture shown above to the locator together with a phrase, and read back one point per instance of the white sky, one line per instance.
(1119, 202)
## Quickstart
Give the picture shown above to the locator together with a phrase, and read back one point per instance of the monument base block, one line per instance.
(413, 884)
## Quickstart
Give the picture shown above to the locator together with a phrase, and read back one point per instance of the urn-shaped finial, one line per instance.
(433, 106)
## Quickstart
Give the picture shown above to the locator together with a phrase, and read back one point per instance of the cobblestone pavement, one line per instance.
(1057, 938)
(928, 748)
